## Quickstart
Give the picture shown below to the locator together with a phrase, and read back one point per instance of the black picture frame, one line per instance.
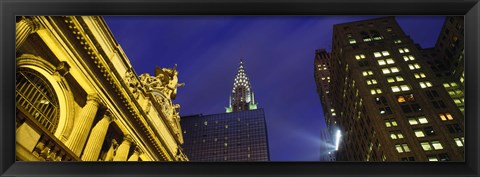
(9, 9)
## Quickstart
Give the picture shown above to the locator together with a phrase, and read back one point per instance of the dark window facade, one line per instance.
(235, 136)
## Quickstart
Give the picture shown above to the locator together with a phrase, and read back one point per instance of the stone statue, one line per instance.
(170, 77)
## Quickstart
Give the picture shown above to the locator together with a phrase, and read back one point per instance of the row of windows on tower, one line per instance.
(367, 36)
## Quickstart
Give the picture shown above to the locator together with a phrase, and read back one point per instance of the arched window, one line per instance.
(36, 96)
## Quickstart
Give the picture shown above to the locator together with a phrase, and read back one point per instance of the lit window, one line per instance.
(394, 70)
(386, 71)
(367, 73)
(425, 84)
(422, 120)
(371, 81)
(403, 50)
(414, 66)
(379, 54)
(399, 148)
(412, 121)
(409, 58)
(360, 56)
(426, 146)
(385, 53)
(398, 41)
(394, 123)
(459, 141)
(396, 135)
(390, 61)
(393, 136)
(386, 61)
(419, 75)
(406, 148)
(445, 116)
(381, 62)
(451, 84)
(437, 145)
(417, 120)
(404, 87)
(352, 41)
(388, 124)
(457, 101)
(390, 70)
(419, 133)
(399, 78)
(399, 135)
(205, 123)
(432, 159)
(395, 89)
(375, 91)
(390, 79)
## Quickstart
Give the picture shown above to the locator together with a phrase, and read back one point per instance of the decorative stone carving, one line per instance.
(148, 107)
(163, 87)
(169, 76)
(133, 84)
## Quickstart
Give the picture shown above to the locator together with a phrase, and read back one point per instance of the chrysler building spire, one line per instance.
(242, 94)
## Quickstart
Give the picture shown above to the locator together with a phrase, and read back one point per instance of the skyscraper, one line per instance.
(446, 59)
(238, 135)
(242, 97)
(322, 80)
(388, 103)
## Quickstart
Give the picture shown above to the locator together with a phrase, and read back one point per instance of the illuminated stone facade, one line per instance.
(79, 99)
(388, 103)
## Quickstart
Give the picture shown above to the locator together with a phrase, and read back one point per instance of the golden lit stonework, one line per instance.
(79, 98)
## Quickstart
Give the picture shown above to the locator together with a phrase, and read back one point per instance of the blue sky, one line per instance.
(278, 54)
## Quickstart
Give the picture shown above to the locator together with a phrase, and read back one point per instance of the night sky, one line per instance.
(278, 54)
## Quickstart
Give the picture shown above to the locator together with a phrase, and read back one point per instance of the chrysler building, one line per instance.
(242, 97)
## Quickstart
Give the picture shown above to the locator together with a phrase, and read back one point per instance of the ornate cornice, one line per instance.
(132, 107)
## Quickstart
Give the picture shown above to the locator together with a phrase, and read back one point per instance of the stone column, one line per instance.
(96, 138)
(24, 28)
(123, 149)
(82, 125)
(134, 156)
(110, 152)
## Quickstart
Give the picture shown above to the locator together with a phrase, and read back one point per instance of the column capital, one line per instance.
(128, 138)
(109, 116)
(32, 23)
(93, 97)
(114, 142)
(137, 150)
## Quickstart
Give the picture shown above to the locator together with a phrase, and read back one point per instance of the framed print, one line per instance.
(253, 88)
